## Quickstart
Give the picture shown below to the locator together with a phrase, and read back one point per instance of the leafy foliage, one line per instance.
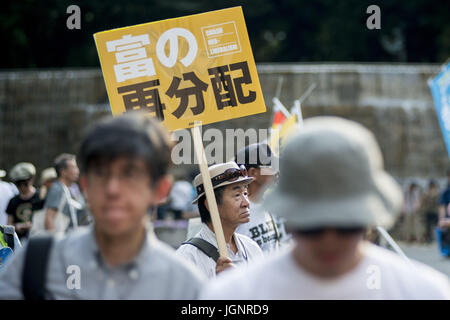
(33, 33)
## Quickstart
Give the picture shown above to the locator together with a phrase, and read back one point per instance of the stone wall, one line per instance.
(43, 113)
(394, 101)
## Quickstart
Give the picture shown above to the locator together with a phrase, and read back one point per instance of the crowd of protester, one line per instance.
(305, 224)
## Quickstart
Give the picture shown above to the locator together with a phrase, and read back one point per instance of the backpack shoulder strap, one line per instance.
(35, 268)
(204, 246)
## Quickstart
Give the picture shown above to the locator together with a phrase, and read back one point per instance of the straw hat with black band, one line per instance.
(221, 174)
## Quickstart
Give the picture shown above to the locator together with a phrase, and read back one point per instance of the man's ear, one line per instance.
(206, 204)
(62, 172)
(163, 188)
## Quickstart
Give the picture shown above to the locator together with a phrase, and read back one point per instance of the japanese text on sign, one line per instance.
(182, 70)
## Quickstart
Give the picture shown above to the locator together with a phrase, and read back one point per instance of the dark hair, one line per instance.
(132, 135)
(204, 212)
(60, 162)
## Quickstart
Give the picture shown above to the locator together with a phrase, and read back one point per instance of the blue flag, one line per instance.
(440, 89)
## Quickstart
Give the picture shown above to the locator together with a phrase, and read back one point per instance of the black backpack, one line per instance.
(34, 276)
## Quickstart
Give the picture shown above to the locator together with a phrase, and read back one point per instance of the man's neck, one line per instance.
(28, 194)
(327, 274)
(65, 181)
(122, 249)
(228, 232)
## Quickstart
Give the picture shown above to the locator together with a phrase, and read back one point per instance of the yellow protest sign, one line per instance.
(182, 70)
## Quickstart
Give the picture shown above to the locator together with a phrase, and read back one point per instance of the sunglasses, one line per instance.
(317, 232)
(228, 175)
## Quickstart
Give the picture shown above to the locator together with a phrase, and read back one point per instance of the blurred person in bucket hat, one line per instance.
(230, 183)
(333, 187)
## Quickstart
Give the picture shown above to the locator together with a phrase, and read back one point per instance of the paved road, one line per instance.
(428, 254)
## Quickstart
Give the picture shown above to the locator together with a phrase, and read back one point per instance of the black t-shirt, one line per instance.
(21, 210)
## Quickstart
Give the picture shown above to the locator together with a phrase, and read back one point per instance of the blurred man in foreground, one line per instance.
(124, 163)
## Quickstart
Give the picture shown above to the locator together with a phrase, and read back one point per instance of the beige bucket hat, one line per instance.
(22, 171)
(48, 174)
(331, 175)
(221, 174)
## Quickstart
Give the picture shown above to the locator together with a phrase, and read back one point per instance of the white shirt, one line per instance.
(381, 274)
(7, 191)
(268, 233)
(154, 273)
(247, 252)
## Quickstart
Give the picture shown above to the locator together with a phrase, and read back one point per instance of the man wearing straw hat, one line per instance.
(230, 188)
(332, 187)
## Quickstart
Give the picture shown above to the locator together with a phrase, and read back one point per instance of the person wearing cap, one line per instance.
(332, 187)
(21, 207)
(124, 163)
(230, 188)
(48, 177)
(264, 227)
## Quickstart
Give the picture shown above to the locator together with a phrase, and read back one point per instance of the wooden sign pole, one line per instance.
(210, 197)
